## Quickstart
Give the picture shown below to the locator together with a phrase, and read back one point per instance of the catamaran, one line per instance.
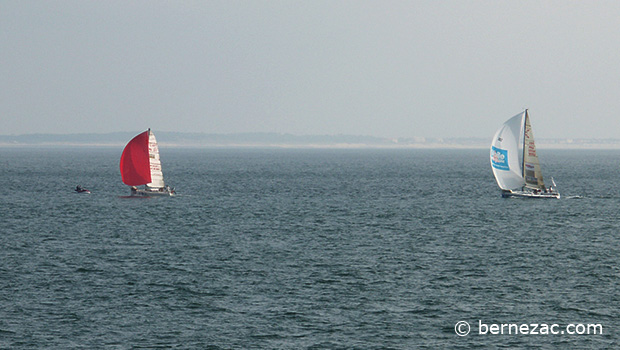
(140, 165)
(515, 163)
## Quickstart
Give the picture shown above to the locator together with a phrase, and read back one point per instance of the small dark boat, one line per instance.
(80, 189)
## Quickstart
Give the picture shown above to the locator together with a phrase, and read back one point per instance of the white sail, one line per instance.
(157, 177)
(505, 154)
(531, 166)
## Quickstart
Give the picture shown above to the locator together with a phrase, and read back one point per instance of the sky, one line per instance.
(386, 68)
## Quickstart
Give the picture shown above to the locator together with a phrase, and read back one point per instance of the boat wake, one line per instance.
(573, 197)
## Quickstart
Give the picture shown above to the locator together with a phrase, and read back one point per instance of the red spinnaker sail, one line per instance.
(135, 164)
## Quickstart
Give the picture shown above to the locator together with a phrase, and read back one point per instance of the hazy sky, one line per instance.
(382, 68)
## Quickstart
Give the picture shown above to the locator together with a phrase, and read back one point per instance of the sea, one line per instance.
(307, 249)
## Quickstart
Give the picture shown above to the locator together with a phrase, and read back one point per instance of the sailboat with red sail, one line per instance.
(140, 166)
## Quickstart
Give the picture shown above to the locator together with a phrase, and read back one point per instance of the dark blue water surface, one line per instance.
(304, 249)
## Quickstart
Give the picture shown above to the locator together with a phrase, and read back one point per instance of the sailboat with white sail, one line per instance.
(140, 165)
(515, 163)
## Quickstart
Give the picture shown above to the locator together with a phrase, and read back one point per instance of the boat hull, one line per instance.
(162, 192)
(529, 194)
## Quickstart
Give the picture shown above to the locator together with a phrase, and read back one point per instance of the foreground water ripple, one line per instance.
(303, 249)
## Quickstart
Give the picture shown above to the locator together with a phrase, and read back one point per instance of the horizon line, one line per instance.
(246, 133)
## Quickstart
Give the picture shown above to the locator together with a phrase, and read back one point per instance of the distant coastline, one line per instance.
(277, 140)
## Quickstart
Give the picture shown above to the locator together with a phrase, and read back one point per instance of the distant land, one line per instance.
(277, 140)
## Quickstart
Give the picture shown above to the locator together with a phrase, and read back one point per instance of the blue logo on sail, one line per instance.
(499, 158)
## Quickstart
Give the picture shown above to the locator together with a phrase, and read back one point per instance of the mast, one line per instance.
(524, 149)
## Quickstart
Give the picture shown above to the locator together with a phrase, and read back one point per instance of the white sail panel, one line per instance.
(505, 153)
(157, 177)
(531, 166)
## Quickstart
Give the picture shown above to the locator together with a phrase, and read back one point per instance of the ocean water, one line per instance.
(305, 249)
